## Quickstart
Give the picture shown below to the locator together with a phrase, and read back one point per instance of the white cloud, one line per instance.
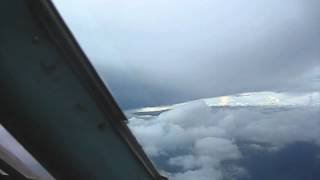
(219, 148)
(276, 128)
(199, 174)
(198, 140)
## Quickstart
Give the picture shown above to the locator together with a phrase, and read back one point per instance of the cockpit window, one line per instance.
(212, 89)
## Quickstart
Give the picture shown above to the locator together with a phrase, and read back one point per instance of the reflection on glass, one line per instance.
(212, 89)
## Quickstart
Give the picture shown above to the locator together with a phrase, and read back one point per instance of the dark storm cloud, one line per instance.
(181, 50)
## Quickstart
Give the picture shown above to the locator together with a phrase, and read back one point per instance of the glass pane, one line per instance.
(212, 89)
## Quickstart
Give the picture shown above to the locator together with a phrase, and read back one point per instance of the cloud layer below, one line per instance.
(194, 141)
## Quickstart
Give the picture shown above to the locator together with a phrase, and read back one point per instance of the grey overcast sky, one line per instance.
(187, 49)
(256, 62)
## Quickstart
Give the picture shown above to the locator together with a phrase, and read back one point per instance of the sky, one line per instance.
(213, 89)
(163, 52)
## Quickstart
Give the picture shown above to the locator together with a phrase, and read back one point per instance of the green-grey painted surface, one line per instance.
(48, 107)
